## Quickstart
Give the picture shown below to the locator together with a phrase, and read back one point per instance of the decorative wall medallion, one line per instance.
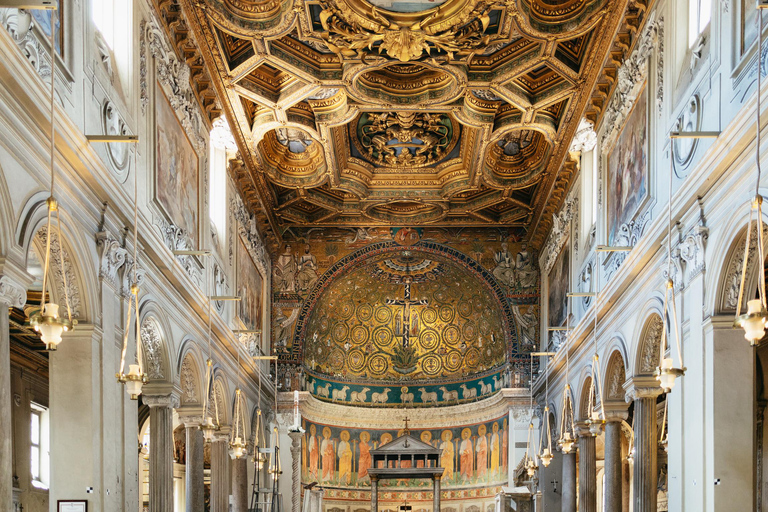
(684, 148)
(119, 154)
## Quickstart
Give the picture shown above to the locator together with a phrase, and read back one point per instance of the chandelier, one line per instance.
(238, 446)
(47, 321)
(567, 427)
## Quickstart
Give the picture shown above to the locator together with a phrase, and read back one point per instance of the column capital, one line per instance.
(190, 416)
(12, 292)
(582, 429)
(222, 434)
(170, 400)
(616, 410)
(641, 386)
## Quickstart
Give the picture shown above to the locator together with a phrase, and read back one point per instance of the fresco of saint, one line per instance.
(495, 448)
(328, 454)
(313, 452)
(466, 454)
(345, 458)
(482, 452)
(446, 459)
(365, 456)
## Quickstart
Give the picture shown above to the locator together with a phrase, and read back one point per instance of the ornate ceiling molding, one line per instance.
(296, 80)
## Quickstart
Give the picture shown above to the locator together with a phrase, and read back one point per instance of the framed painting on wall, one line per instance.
(628, 168)
(558, 287)
(177, 179)
(250, 289)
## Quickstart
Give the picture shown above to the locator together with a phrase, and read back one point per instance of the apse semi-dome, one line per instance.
(356, 332)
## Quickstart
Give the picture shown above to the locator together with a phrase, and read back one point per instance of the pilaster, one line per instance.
(12, 294)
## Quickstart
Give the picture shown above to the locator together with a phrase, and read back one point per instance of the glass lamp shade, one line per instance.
(208, 428)
(546, 457)
(531, 467)
(134, 381)
(666, 378)
(753, 322)
(237, 448)
(566, 442)
(49, 325)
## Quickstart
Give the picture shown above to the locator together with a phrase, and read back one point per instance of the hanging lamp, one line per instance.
(135, 379)
(754, 320)
(209, 426)
(275, 468)
(258, 457)
(530, 454)
(631, 450)
(47, 321)
(546, 454)
(596, 418)
(666, 372)
(567, 426)
(238, 446)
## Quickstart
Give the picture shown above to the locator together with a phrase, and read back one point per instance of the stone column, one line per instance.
(240, 485)
(643, 390)
(295, 470)
(374, 493)
(195, 463)
(436, 493)
(614, 413)
(587, 470)
(568, 500)
(161, 450)
(220, 471)
(12, 294)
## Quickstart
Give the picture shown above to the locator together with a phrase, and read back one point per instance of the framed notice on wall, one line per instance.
(72, 506)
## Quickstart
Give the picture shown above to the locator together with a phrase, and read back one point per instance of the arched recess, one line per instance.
(648, 345)
(79, 263)
(582, 408)
(190, 375)
(615, 376)
(220, 404)
(154, 343)
(730, 270)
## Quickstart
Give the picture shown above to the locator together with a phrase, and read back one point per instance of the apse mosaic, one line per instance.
(313, 260)
(405, 314)
(472, 455)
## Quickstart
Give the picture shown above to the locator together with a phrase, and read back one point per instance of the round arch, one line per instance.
(190, 369)
(155, 336)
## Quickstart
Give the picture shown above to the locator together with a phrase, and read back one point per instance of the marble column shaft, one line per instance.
(195, 468)
(240, 485)
(296, 471)
(646, 476)
(220, 475)
(613, 466)
(568, 499)
(436, 494)
(160, 452)
(374, 494)
(587, 472)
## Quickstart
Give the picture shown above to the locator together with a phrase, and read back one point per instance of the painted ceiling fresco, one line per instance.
(353, 113)
(405, 314)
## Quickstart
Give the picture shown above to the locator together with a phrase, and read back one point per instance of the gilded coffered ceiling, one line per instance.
(391, 112)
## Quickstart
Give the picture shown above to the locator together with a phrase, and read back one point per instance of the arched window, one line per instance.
(109, 17)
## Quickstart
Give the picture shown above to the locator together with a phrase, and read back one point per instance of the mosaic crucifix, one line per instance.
(407, 302)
